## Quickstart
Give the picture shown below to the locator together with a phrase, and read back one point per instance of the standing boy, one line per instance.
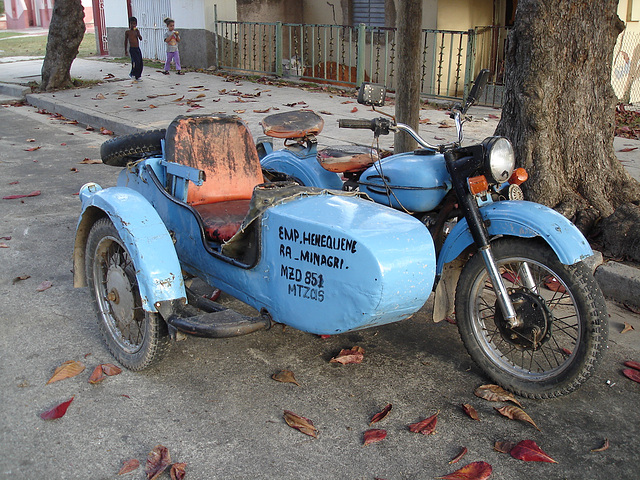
(133, 37)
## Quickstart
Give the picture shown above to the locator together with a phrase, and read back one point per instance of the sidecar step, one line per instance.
(219, 323)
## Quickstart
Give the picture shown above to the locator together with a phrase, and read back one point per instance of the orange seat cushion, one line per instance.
(223, 219)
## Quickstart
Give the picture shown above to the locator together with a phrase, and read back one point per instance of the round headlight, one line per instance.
(499, 159)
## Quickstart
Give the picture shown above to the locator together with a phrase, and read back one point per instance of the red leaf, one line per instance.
(324, 337)
(381, 415)
(554, 285)
(457, 458)
(352, 355)
(97, 376)
(473, 471)
(354, 109)
(632, 364)
(632, 374)
(178, 471)
(58, 411)
(374, 435)
(157, 462)
(529, 451)
(35, 193)
(628, 149)
(469, 410)
(129, 466)
(32, 149)
(110, 369)
(426, 426)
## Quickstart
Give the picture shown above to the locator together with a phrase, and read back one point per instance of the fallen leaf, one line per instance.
(457, 458)
(261, 111)
(627, 328)
(63, 144)
(604, 446)
(157, 462)
(425, 120)
(178, 99)
(285, 376)
(89, 128)
(426, 426)
(152, 106)
(491, 115)
(14, 183)
(110, 369)
(5, 238)
(495, 393)
(529, 451)
(354, 109)
(381, 415)
(239, 111)
(58, 411)
(152, 96)
(351, 355)
(108, 76)
(35, 193)
(178, 471)
(469, 410)
(503, 447)
(200, 95)
(301, 424)
(632, 374)
(628, 363)
(554, 285)
(74, 170)
(104, 131)
(473, 471)
(31, 140)
(628, 149)
(88, 161)
(324, 112)
(324, 337)
(20, 278)
(46, 285)
(99, 97)
(4, 245)
(374, 435)
(97, 376)
(71, 122)
(516, 413)
(32, 149)
(129, 466)
(68, 369)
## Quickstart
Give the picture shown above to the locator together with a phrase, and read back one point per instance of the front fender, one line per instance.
(519, 218)
(144, 235)
(306, 169)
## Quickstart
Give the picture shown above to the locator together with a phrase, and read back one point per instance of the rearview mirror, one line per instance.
(477, 89)
(372, 94)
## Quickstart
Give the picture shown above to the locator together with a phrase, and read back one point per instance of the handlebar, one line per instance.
(356, 123)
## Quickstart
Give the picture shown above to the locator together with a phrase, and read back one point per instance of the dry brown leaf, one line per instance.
(604, 446)
(68, 369)
(200, 95)
(503, 447)
(129, 466)
(239, 111)
(97, 376)
(457, 458)
(20, 278)
(381, 415)
(99, 97)
(88, 161)
(301, 424)
(285, 376)
(627, 328)
(178, 471)
(374, 435)
(351, 355)
(110, 369)
(469, 410)
(157, 462)
(495, 393)
(31, 140)
(516, 413)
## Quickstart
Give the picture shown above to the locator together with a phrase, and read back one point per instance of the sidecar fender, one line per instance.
(305, 169)
(519, 218)
(143, 233)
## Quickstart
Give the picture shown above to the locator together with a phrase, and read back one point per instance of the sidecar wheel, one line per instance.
(136, 338)
(565, 320)
(121, 150)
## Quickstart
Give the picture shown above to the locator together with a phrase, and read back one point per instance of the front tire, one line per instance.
(135, 337)
(120, 151)
(565, 320)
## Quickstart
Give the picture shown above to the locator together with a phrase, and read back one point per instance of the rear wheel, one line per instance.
(564, 330)
(136, 338)
(119, 151)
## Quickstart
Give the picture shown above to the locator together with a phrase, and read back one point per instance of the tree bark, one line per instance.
(65, 35)
(408, 90)
(559, 107)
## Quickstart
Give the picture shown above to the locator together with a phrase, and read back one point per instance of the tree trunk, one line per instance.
(559, 107)
(408, 90)
(65, 35)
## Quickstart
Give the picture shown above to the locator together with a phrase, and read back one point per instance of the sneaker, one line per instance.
(165, 72)
(179, 72)
(131, 76)
(138, 79)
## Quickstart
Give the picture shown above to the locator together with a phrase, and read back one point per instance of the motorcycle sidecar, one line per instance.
(321, 261)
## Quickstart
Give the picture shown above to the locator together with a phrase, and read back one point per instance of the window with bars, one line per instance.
(370, 12)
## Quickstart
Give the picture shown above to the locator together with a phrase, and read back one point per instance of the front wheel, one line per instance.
(136, 338)
(564, 320)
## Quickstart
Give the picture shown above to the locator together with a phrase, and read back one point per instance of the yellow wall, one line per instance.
(629, 12)
(464, 14)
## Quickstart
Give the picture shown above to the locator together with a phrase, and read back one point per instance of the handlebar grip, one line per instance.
(356, 123)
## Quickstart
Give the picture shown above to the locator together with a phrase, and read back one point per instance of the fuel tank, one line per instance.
(416, 181)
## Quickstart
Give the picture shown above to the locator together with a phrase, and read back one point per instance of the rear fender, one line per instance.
(305, 169)
(143, 233)
(519, 218)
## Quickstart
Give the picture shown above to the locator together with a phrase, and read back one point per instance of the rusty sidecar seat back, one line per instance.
(223, 148)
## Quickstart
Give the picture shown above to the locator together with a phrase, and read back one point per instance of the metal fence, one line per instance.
(626, 68)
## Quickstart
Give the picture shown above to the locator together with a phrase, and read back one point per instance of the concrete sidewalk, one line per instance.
(122, 106)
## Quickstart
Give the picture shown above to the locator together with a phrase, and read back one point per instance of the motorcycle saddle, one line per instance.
(347, 158)
(222, 147)
(290, 125)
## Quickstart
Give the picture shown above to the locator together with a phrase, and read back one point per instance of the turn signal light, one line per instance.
(519, 176)
(478, 184)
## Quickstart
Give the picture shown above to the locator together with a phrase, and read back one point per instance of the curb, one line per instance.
(96, 118)
(619, 282)
(13, 90)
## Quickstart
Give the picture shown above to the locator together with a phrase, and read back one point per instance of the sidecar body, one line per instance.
(321, 261)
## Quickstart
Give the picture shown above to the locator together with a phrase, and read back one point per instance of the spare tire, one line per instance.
(119, 151)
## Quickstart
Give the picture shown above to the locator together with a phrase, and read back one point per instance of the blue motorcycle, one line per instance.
(527, 307)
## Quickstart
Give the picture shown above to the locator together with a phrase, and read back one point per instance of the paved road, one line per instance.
(213, 403)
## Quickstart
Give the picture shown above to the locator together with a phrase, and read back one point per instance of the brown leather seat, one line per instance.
(223, 148)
